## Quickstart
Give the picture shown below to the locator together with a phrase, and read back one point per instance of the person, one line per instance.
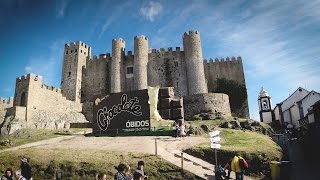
(227, 167)
(102, 176)
(120, 175)
(128, 172)
(182, 130)
(235, 167)
(140, 170)
(177, 130)
(25, 169)
(8, 175)
(18, 175)
(137, 176)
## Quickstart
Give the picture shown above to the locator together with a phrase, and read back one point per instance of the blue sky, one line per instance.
(277, 40)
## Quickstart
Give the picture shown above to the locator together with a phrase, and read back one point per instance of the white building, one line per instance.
(265, 109)
(295, 108)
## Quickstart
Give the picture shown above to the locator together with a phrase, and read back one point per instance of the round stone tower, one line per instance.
(194, 63)
(140, 62)
(118, 46)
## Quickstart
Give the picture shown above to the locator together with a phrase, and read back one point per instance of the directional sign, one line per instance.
(215, 139)
(215, 146)
(214, 133)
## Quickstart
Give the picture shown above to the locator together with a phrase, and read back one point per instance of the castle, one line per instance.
(85, 77)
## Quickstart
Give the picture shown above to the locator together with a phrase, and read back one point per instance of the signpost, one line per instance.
(214, 139)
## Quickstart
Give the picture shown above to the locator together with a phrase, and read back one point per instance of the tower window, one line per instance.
(71, 51)
(69, 74)
(84, 52)
(85, 46)
(81, 51)
(81, 44)
(66, 52)
(129, 70)
(76, 50)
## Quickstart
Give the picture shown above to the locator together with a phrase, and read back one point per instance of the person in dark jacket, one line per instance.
(25, 169)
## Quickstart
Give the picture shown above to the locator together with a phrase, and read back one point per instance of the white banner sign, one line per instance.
(215, 139)
(214, 133)
(215, 146)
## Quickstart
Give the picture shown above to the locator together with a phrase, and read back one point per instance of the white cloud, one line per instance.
(151, 10)
(61, 8)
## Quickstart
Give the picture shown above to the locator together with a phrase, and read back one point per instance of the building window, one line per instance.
(66, 52)
(129, 70)
(85, 46)
(71, 51)
(84, 52)
(81, 44)
(69, 74)
(76, 50)
(81, 51)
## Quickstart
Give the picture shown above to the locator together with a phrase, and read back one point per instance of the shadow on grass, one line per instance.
(123, 134)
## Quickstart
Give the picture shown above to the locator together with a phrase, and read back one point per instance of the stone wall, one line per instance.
(87, 110)
(96, 78)
(75, 56)
(231, 69)
(208, 102)
(168, 69)
(44, 104)
(56, 120)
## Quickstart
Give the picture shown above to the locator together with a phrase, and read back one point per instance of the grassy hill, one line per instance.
(257, 148)
(85, 164)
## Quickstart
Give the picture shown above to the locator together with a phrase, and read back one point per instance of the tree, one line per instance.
(237, 95)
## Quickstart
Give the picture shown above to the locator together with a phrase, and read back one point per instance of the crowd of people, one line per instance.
(123, 172)
(24, 173)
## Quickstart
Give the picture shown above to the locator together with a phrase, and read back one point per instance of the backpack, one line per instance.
(243, 164)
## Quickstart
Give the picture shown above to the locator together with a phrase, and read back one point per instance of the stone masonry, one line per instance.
(84, 78)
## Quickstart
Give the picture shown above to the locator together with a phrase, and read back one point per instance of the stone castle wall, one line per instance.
(96, 77)
(231, 69)
(207, 102)
(186, 70)
(45, 106)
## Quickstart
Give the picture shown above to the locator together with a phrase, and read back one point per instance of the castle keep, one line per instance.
(85, 77)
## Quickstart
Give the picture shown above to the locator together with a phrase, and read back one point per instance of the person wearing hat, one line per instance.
(25, 169)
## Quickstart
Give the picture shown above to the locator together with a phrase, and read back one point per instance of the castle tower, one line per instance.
(75, 56)
(194, 63)
(140, 62)
(265, 111)
(118, 46)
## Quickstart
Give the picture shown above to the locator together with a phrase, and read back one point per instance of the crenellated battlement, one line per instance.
(191, 33)
(6, 102)
(141, 37)
(51, 88)
(29, 77)
(224, 60)
(118, 40)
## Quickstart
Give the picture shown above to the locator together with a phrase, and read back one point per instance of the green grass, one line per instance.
(247, 141)
(256, 148)
(26, 136)
(84, 164)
